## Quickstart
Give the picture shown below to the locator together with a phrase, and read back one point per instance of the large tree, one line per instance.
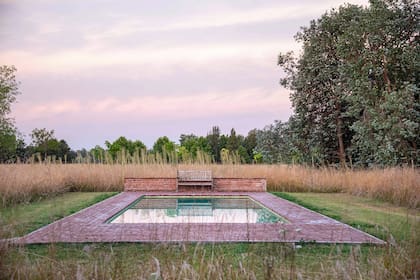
(355, 88)
(318, 95)
(382, 56)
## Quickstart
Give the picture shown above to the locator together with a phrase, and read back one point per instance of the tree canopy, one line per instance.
(355, 87)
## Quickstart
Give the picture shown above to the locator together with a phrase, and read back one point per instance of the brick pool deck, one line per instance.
(89, 225)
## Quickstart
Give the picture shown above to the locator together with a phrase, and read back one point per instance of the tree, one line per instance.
(250, 142)
(8, 90)
(355, 88)
(40, 138)
(383, 58)
(191, 145)
(46, 144)
(9, 139)
(98, 154)
(318, 97)
(8, 142)
(233, 141)
(213, 138)
(163, 145)
(273, 143)
(122, 144)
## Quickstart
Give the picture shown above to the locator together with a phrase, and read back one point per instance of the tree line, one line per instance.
(354, 92)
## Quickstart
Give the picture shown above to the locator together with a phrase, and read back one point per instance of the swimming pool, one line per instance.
(196, 209)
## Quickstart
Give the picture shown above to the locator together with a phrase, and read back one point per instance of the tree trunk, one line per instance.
(341, 151)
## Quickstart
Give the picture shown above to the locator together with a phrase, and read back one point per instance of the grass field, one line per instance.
(28, 182)
(400, 226)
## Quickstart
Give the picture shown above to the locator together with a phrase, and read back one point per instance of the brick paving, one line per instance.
(89, 225)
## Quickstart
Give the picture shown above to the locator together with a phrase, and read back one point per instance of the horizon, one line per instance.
(100, 70)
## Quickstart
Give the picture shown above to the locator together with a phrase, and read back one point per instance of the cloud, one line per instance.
(216, 18)
(150, 59)
(157, 108)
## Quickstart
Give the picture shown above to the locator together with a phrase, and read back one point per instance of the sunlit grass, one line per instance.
(27, 182)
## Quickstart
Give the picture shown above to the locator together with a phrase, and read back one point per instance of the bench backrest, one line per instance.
(194, 175)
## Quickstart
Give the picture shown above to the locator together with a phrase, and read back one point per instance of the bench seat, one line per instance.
(194, 178)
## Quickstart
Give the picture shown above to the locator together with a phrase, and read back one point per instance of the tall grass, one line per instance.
(26, 182)
(207, 261)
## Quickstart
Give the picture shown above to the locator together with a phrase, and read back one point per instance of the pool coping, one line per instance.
(89, 225)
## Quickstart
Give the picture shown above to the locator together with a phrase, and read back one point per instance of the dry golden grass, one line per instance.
(24, 182)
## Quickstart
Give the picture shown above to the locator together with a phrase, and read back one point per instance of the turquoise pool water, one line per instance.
(153, 209)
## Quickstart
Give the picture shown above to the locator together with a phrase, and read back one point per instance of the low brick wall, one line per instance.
(219, 184)
(150, 184)
(239, 184)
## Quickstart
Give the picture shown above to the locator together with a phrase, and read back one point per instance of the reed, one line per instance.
(26, 182)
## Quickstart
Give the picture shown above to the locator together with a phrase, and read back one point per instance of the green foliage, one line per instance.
(355, 88)
(213, 138)
(8, 143)
(8, 89)
(46, 145)
(121, 145)
(163, 145)
(191, 146)
(232, 148)
(385, 80)
(9, 139)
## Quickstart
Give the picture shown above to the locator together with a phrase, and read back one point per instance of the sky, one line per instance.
(96, 70)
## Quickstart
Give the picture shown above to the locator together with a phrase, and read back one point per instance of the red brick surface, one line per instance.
(219, 184)
(150, 184)
(89, 225)
(240, 184)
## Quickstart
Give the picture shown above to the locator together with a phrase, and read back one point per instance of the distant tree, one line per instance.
(190, 144)
(163, 145)
(123, 144)
(8, 142)
(8, 90)
(233, 141)
(46, 144)
(213, 138)
(270, 142)
(40, 141)
(250, 143)
(9, 139)
(98, 154)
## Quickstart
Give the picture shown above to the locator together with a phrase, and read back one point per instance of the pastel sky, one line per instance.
(96, 70)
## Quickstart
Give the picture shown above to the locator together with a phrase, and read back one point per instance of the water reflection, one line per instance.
(197, 210)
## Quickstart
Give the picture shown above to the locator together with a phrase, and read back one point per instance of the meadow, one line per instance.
(28, 182)
(382, 202)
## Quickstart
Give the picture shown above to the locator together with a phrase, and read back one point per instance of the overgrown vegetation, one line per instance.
(27, 182)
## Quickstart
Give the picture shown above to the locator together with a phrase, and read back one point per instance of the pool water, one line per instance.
(153, 209)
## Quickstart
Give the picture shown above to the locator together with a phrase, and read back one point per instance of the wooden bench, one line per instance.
(194, 178)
